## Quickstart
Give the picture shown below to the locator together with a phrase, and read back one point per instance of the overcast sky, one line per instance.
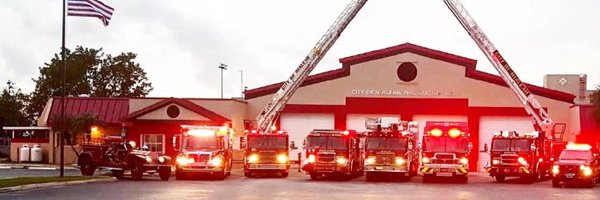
(180, 44)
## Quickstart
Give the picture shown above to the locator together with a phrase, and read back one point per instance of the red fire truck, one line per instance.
(203, 150)
(391, 149)
(528, 156)
(333, 153)
(266, 153)
(578, 163)
(445, 151)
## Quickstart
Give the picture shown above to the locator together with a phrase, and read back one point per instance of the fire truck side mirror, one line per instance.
(293, 145)
(533, 147)
(304, 144)
(470, 146)
(485, 148)
(410, 145)
(419, 146)
(176, 141)
(242, 142)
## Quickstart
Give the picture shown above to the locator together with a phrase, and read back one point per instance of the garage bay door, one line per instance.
(490, 124)
(298, 125)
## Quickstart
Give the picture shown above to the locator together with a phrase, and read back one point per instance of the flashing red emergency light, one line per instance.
(346, 132)
(454, 132)
(436, 132)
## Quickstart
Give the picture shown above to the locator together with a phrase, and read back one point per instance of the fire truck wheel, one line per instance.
(137, 171)
(500, 178)
(87, 167)
(284, 174)
(164, 173)
(555, 183)
(117, 173)
(313, 176)
(219, 175)
(590, 183)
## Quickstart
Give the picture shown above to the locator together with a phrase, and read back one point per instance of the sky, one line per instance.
(180, 44)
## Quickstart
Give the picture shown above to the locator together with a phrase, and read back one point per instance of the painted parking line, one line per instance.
(42, 168)
(5, 168)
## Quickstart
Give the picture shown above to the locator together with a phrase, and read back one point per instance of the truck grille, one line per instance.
(384, 158)
(509, 159)
(569, 169)
(325, 157)
(267, 157)
(199, 158)
(444, 159)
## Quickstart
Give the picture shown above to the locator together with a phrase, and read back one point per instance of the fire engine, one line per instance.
(266, 153)
(445, 151)
(333, 153)
(203, 150)
(578, 163)
(526, 156)
(391, 149)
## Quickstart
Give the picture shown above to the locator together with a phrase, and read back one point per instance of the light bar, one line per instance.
(201, 132)
(581, 147)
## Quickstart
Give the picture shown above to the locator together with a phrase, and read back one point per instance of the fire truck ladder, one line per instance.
(266, 119)
(542, 121)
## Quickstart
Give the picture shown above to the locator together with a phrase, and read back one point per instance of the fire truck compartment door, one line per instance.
(298, 125)
(490, 124)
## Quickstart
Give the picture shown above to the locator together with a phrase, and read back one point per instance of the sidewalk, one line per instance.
(34, 166)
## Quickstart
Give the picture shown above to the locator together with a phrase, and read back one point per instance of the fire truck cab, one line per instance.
(445, 151)
(391, 149)
(266, 153)
(203, 150)
(528, 156)
(333, 153)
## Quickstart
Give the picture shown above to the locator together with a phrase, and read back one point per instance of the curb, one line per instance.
(54, 184)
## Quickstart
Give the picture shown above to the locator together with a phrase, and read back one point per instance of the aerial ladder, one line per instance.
(266, 119)
(541, 118)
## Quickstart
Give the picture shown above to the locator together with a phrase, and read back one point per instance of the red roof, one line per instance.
(108, 110)
(183, 103)
(468, 63)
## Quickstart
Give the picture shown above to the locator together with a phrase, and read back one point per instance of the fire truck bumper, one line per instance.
(267, 167)
(199, 169)
(393, 169)
(508, 171)
(326, 168)
(444, 170)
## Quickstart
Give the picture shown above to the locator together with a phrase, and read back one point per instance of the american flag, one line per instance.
(90, 8)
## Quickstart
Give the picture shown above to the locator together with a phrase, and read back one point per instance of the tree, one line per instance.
(89, 72)
(120, 77)
(595, 98)
(77, 126)
(12, 106)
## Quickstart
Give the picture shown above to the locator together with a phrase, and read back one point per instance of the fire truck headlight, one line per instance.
(148, 159)
(426, 160)
(587, 171)
(495, 162)
(253, 158)
(370, 161)
(555, 169)
(522, 161)
(342, 161)
(281, 158)
(400, 161)
(181, 160)
(161, 159)
(216, 161)
(312, 158)
(464, 161)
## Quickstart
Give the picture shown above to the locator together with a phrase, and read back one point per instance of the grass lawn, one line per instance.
(33, 180)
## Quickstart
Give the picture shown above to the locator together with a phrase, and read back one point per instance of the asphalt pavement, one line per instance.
(299, 186)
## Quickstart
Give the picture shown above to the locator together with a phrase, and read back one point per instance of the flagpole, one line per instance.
(62, 97)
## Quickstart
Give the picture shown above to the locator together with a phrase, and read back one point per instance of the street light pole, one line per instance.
(222, 67)
(242, 81)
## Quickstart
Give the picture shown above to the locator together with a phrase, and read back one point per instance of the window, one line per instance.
(154, 142)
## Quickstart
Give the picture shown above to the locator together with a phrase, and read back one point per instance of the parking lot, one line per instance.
(299, 186)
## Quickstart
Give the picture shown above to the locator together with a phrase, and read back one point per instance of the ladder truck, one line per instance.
(265, 121)
(542, 122)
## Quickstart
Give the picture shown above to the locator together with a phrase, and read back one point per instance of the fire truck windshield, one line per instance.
(575, 155)
(200, 142)
(267, 142)
(446, 144)
(519, 145)
(326, 142)
(386, 143)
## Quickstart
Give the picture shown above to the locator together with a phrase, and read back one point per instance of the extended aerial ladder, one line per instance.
(266, 119)
(542, 121)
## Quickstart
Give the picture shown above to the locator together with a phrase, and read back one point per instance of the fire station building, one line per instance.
(407, 81)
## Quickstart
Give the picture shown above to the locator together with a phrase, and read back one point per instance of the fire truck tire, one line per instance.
(555, 183)
(137, 171)
(500, 178)
(219, 175)
(164, 173)
(313, 176)
(118, 173)
(590, 183)
(284, 174)
(87, 166)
